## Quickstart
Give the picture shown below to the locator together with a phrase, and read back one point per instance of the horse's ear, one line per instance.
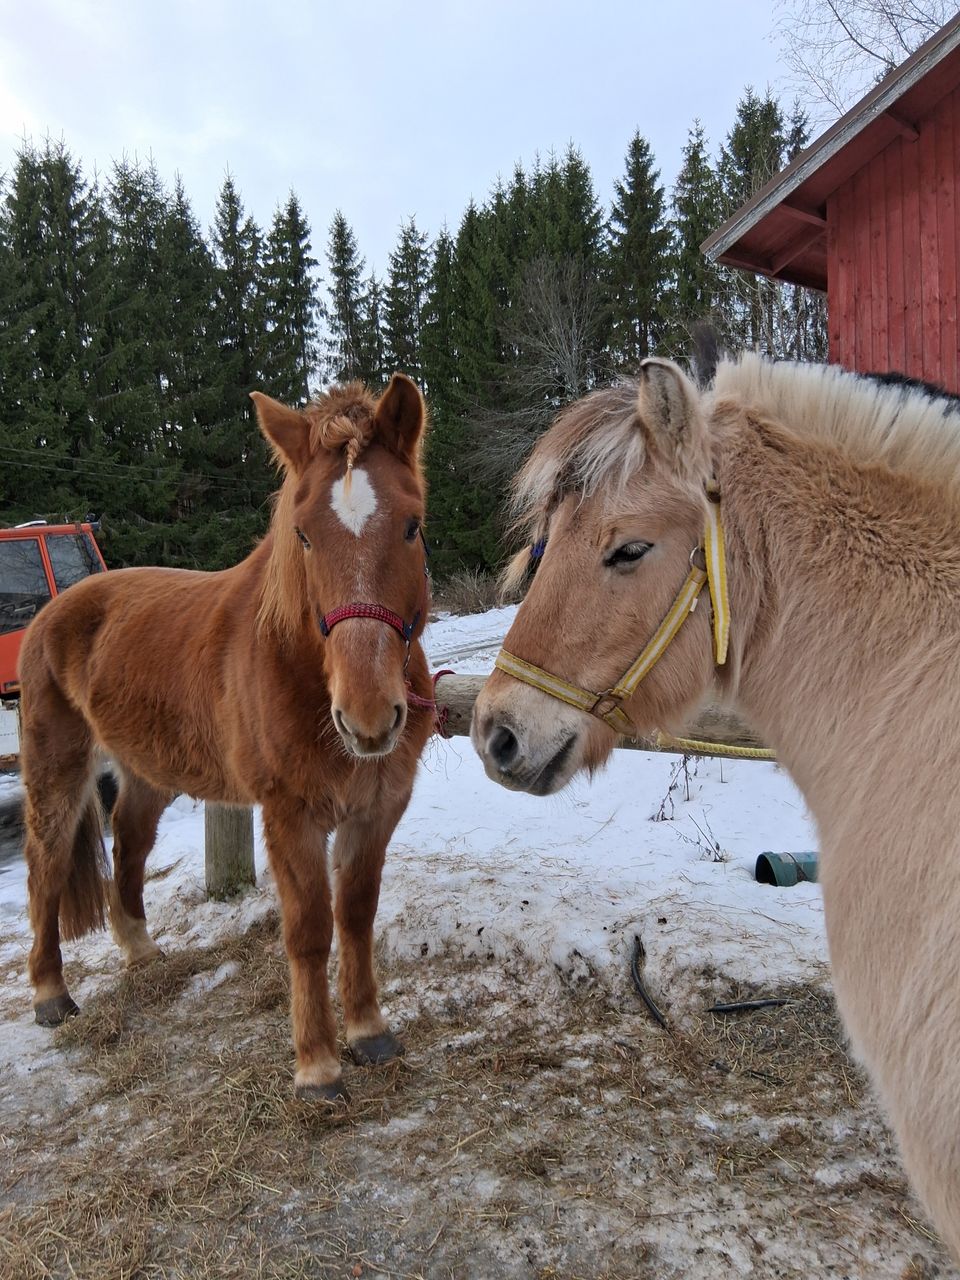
(287, 430)
(668, 407)
(400, 416)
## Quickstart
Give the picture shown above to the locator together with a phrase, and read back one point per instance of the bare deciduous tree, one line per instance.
(555, 337)
(837, 50)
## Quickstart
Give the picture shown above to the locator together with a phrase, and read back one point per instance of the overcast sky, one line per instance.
(381, 109)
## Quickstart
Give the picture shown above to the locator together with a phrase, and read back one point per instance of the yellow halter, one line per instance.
(607, 705)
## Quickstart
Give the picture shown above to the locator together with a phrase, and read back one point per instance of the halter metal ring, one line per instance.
(606, 702)
(698, 559)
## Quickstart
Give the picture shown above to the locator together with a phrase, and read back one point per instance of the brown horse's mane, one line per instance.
(341, 419)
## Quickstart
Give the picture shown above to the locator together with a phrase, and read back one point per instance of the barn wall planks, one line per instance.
(893, 240)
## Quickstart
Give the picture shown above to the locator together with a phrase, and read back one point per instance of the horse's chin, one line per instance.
(359, 752)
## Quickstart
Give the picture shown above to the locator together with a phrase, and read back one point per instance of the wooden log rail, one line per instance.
(712, 724)
(229, 831)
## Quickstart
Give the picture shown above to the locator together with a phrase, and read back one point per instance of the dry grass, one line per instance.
(467, 591)
(519, 1138)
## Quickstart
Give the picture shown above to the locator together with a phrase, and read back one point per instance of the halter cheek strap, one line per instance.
(607, 706)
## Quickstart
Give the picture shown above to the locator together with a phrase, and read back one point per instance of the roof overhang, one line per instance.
(782, 231)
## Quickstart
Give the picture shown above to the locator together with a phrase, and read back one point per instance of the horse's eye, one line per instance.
(412, 530)
(628, 554)
(303, 538)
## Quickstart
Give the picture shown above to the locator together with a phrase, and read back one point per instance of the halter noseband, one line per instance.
(378, 611)
(707, 565)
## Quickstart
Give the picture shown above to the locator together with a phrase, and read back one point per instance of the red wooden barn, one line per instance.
(870, 213)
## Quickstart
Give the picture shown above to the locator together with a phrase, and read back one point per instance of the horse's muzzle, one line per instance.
(515, 764)
(367, 740)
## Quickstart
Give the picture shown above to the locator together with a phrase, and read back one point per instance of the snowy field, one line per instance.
(530, 908)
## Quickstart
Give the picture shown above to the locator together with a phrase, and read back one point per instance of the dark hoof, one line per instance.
(371, 1051)
(51, 1013)
(334, 1095)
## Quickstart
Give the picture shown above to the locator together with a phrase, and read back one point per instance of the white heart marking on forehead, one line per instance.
(355, 505)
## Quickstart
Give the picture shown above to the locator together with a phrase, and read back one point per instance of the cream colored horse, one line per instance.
(840, 501)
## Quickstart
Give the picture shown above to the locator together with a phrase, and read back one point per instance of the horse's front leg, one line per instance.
(358, 855)
(297, 847)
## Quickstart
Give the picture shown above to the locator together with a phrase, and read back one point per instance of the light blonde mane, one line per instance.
(594, 443)
(342, 419)
(901, 427)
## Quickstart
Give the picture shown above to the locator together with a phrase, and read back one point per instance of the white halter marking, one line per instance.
(354, 505)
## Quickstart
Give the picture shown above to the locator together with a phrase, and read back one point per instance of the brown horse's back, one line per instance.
(135, 651)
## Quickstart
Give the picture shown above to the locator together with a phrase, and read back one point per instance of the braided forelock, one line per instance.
(344, 419)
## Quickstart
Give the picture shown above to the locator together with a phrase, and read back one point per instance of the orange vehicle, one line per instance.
(37, 562)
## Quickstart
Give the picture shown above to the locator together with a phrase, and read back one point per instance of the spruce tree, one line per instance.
(463, 314)
(638, 258)
(238, 251)
(450, 507)
(133, 345)
(752, 154)
(695, 212)
(405, 299)
(349, 335)
(48, 319)
(439, 359)
(373, 354)
(134, 351)
(754, 149)
(237, 468)
(291, 306)
(186, 287)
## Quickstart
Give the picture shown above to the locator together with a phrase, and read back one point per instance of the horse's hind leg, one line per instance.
(64, 842)
(358, 856)
(136, 815)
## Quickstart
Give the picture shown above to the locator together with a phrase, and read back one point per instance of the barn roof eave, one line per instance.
(881, 102)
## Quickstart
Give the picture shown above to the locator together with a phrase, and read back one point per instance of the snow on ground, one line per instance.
(652, 848)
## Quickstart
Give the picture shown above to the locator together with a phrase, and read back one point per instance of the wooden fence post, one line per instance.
(228, 849)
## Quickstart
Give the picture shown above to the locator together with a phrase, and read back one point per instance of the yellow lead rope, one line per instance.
(693, 746)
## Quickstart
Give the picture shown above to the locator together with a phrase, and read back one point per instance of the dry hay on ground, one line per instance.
(531, 1131)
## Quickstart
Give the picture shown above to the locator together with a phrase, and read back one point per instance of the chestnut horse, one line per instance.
(830, 619)
(282, 682)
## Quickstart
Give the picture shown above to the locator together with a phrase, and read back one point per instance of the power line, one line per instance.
(81, 468)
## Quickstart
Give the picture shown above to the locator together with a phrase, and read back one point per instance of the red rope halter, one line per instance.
(440, 714)
(376, 611)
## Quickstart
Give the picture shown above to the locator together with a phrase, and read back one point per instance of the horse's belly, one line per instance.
(159, 741)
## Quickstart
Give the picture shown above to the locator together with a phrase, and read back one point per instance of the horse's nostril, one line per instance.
(503, 747)
(400, 709)
(340, 722)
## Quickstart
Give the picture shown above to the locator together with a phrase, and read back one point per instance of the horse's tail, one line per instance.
(83, 900)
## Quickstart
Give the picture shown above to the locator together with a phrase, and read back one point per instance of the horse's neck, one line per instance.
(843, 583)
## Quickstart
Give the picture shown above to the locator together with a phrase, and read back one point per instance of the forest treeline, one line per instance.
(130, 338)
